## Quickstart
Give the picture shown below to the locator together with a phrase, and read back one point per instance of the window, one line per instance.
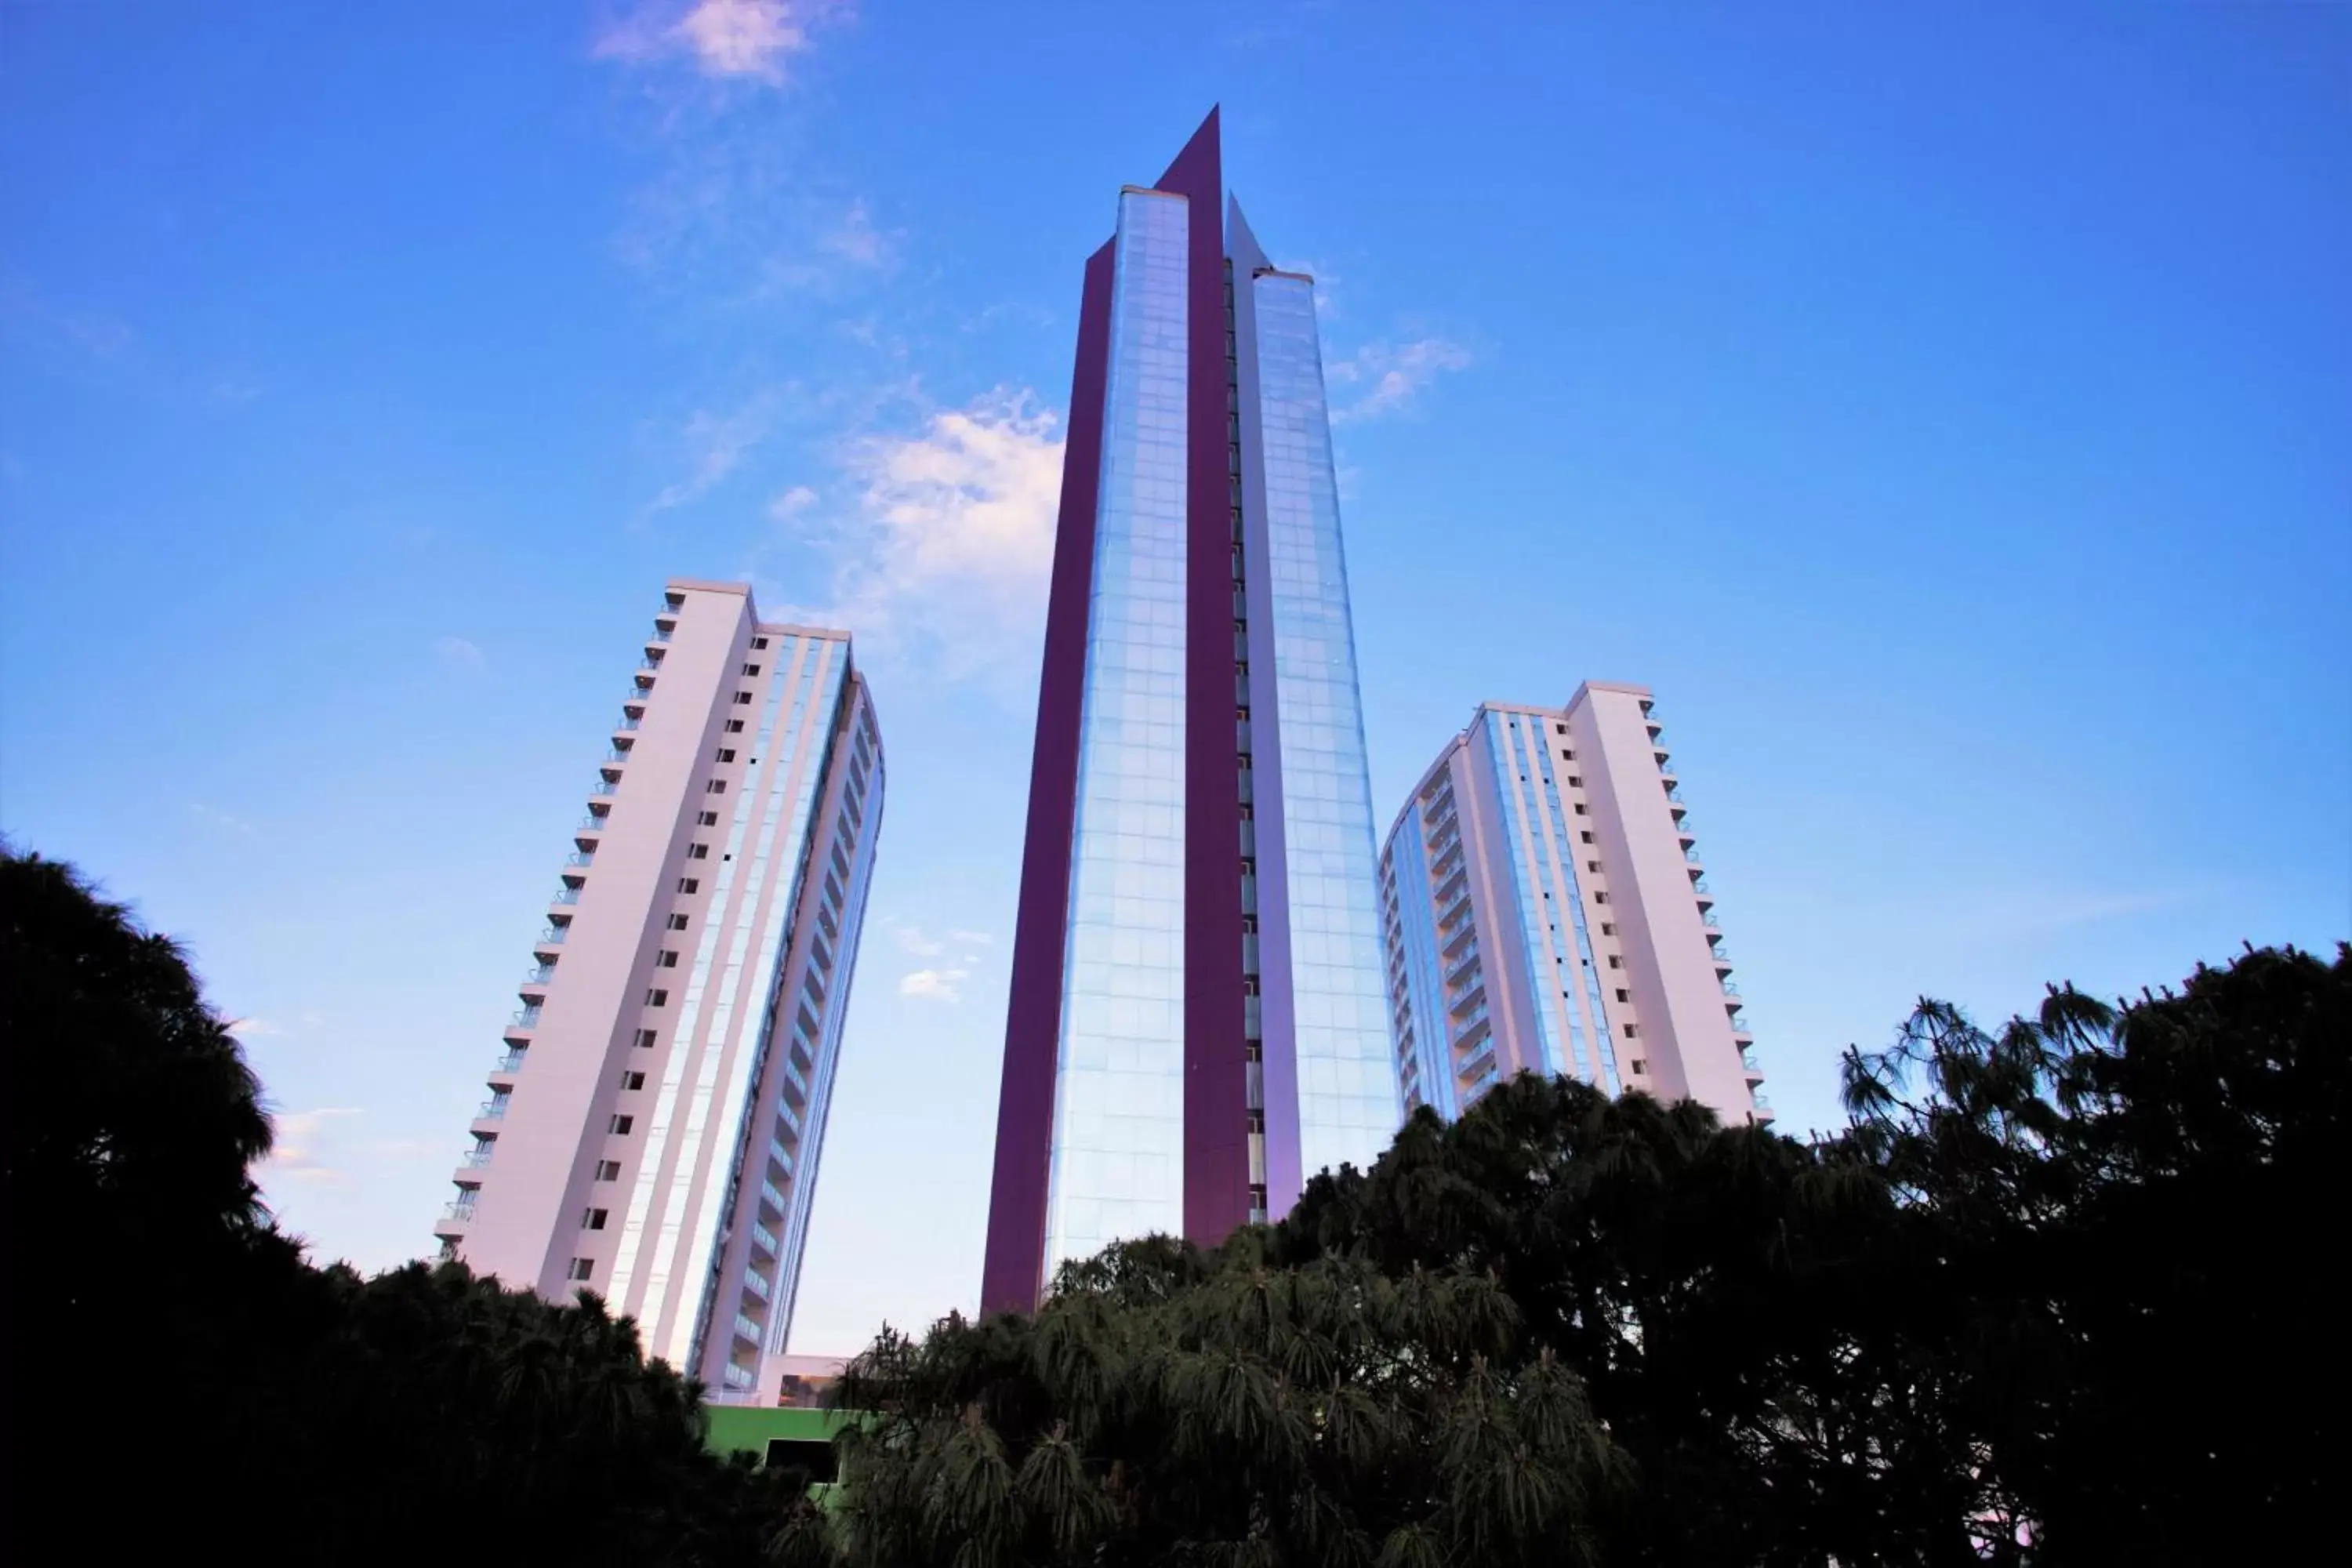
(759, 642)
(1622, 995)
(1641, 1067)
(1632, 1031)
(688, 884)
(726, 754)
(1565, 755)
(581, 1268)
(1600, 898)
(716, 786)
(619, 1126)
(646, 1038)
(656, 998)
(1615, 962)
(1585, 836)
(666, 959)
(608, 1170)
(1593, 865)
(677, 922)
(1575, 781)
(698, 851)
(1559, 729)
(743, 699)
(637, 1080)
(751, 669)
(734, 726)
(1608, 929)
(592, 1219)
(1580, 808)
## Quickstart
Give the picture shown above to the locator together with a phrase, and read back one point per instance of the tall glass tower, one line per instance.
(1198, 1013)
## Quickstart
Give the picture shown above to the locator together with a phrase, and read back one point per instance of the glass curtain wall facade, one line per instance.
(1197, 1018)
(662, 1144)
(1542, 913)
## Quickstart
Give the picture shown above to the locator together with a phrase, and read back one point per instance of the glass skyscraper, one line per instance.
(1198, 1017)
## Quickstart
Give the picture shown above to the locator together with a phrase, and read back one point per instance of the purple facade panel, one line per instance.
(1217, 1107)
(1014, 1270)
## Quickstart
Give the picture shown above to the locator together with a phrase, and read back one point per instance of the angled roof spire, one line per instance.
(1199, 169)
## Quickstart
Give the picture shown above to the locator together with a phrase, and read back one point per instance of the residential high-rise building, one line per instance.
(1545, 909)
(1197, 1019)
(654, 1125)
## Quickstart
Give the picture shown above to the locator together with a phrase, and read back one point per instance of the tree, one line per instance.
(1170, 1407)
(183, 1383)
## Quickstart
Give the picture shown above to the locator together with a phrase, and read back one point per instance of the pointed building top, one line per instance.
(1199, 169)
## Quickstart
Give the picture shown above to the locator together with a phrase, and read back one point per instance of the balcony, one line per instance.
(1720, 952)
(764, 1239)
(1459, 1004)
(1466, 1030)
(628, 723)
(581, 857)
(1481, 1060)
(737, 1377)
(1699, 884)
(1691, 855)
(1729, 989)
(636, 694)
(458, 1213)
(493, 1109)
(553, 935)
(594, 822)
(1707, 918)
(669, 606)
(661, 634)
(475, 1158)
(757, 1283)
(1457, 963)
(615, 756)
(525, 1018)
(747, 1331)
(650, 664)
(1747, 1060)
(605, 786)
(513, 1060)
(775, 1199)
(542, 975)
(1683, 826)
(781, 1155)
(1675, 794)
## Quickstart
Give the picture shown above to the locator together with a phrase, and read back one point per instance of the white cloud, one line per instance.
(791, 503)
(1385, 378)
(252, 1028)
(935, 984)
(460, 654)
(952, 539)
(297, 1154)
(716, 445)
(749, 39)
(913, 940)
(222, 819)
(855, 239)
(970, 938)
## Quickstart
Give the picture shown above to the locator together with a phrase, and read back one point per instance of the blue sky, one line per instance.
(1945, 409)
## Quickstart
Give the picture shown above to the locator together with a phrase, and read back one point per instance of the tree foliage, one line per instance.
(181, 1381)
(2058, 1294)
(1977, 1325)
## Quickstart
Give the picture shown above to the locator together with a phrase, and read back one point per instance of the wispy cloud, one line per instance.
(252, 1028)
(739, 39)
(1382, 378)
(222, 819)
(935, 984)
(791, 503)
(460, 654)
(715, 444)
(971, 937)
(299, 1154)
(951, 539)
(913, 939)
(855, 239)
